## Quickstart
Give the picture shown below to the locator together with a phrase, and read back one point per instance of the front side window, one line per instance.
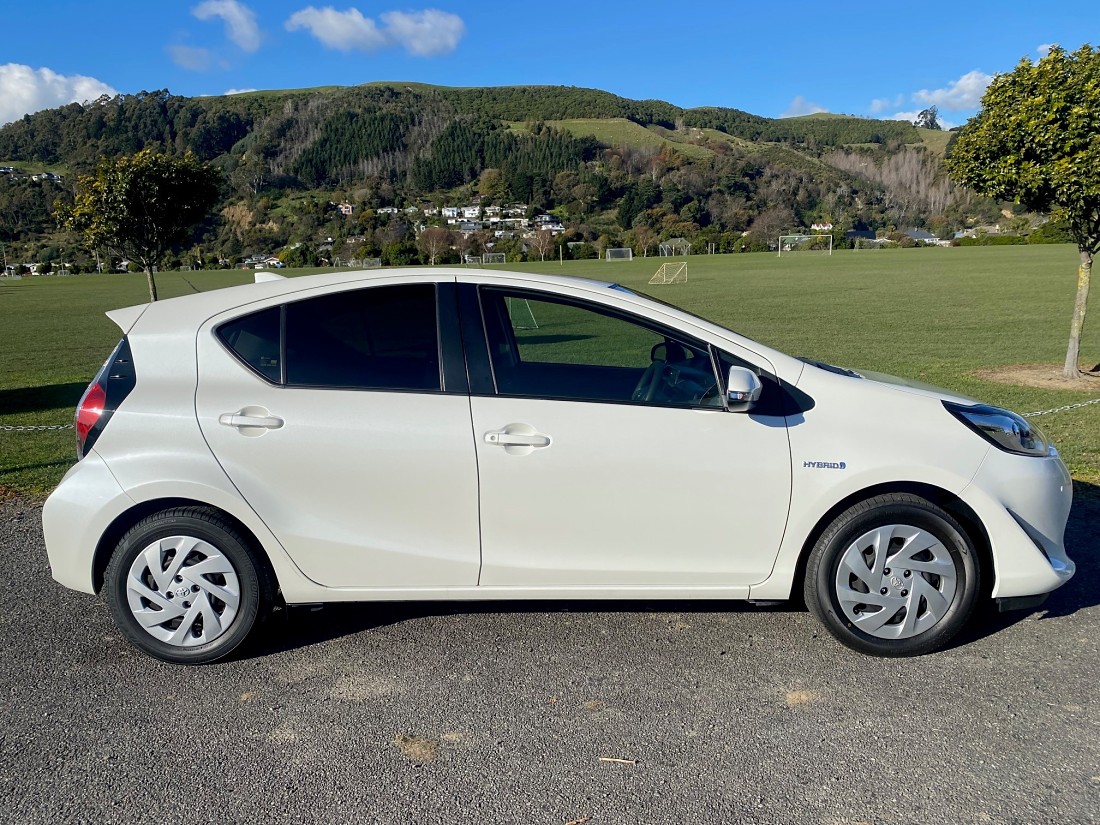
(545, 347)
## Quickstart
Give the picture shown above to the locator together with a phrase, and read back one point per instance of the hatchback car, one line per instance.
(440, 434)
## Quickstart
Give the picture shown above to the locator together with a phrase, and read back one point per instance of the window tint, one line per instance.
(544, 347)
(255, 340)
(376, 338)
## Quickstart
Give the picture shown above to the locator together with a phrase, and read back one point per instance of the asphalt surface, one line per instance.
(509, 713)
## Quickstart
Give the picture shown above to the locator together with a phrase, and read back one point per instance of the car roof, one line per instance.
(191, 311)
(204, 304)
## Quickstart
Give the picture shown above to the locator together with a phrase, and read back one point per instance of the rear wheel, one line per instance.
(185, 586)
(894, 575)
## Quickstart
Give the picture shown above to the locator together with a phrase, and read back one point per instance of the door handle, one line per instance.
(239, 419)
(507, 439)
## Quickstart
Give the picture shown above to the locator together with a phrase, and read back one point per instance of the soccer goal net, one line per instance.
(619, 254)
(806, 243)
(473, 260)
(674, 247)
(372, 263)
(519, 310)
(493, 258)
(671, 274)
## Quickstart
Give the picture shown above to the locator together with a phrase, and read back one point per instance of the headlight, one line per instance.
(1002, 428)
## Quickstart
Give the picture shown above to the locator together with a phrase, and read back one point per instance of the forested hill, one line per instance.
(608, 168)
(75, 135)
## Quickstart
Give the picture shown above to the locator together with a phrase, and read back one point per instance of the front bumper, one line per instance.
(1024, 504)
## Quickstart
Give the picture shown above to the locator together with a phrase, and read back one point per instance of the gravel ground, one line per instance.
(512, 714)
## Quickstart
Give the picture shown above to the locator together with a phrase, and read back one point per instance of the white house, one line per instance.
(450, 211)
(471, 213)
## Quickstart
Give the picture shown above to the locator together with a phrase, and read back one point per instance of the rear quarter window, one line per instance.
(254, 339)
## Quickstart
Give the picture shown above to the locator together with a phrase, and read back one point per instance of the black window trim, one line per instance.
(453, 378)
(615, 312)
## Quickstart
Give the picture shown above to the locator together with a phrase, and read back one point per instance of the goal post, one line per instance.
(619, 254)
(472, 260)
(494, 258)
(520, 313)
(805, 243)
(674, 273)
(372, 263)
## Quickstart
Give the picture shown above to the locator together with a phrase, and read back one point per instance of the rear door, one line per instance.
(343, 418)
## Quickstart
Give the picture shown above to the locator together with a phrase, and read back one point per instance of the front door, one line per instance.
(607, 458)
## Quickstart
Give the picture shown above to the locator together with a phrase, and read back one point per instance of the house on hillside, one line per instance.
(821, 227)
(471, 213)
(921, 236)
(346, 209)
(450, 211)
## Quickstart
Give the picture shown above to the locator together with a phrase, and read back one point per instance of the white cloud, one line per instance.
(195, 58)
(341, 30)
(24, 90)
(881, 104)
(424, 33)
(800, 106)
(240, 21)
(238, 91)
(421, 33)
(962, 94)
(1044, 48)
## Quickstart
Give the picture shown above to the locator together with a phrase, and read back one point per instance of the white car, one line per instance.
(444, 434)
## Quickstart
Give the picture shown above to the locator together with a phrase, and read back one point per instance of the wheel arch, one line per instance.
(948, 501)
(122, 523)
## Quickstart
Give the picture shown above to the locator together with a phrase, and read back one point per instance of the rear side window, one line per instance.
(255, 340)
(376, 338)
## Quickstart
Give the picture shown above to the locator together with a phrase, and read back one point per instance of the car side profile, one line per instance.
(443, 434)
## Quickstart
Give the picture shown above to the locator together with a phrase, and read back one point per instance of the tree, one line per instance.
(1034, 142)
(434, 241)
(142, 205)
(543, 242)
(928, 119)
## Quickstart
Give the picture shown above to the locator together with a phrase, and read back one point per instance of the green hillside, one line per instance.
(610, 169)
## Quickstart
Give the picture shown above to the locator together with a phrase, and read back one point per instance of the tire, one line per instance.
(894, 575)
(190, 610)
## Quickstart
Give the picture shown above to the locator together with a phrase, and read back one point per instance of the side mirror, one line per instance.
(742, 390)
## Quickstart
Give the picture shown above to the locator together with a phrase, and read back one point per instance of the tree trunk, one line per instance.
(1084, 274)
(152, 283)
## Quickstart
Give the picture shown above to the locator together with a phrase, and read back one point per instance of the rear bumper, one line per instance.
(75, 517)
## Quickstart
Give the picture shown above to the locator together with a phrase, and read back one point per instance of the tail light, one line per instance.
(111, 385)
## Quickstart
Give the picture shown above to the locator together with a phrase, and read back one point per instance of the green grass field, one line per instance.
(938, 315)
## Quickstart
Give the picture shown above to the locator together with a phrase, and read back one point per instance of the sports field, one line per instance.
(937, 315)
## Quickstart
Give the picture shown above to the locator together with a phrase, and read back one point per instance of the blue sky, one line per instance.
(882, 60)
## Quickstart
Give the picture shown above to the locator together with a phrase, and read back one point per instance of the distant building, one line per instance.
(921, 235)
(346, 209)
(821, 227)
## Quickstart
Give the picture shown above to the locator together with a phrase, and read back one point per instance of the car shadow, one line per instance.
(297, 627)
(40, 399)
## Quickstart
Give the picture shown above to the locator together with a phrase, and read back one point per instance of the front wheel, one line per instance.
(185, 586)
(894, 575)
